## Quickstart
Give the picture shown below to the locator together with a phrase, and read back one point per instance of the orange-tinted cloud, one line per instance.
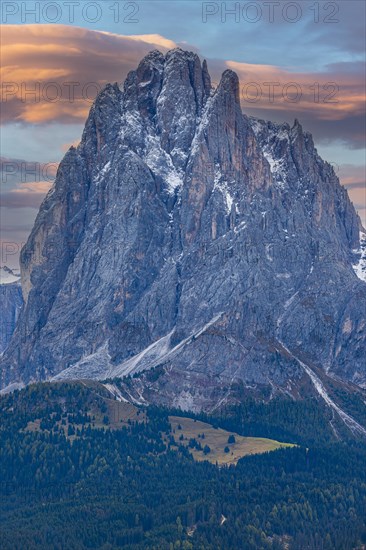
(24, 184)
(66, 146)
(330, 104)
(19, 171)
(53, 72)
(332, 95)
(354, 179)
(27, 195)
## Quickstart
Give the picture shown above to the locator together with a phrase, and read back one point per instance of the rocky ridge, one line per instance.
(208, 254)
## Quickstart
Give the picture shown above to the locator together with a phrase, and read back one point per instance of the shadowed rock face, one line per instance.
(11, 301)
(183, 235)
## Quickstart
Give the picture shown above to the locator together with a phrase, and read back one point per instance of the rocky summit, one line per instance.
(208, 254)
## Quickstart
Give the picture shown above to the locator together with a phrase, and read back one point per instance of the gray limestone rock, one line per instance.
(11, 301)
(210, 254)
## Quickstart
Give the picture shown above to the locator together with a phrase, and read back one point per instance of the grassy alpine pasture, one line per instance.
(217, 440)
(102, 408)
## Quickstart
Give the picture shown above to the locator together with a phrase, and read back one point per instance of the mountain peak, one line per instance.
(178, 54)
(183, 236)
(230, 83)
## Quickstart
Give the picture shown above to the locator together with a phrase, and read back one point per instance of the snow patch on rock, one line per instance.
(360, 266)
(223, 186)
(7, 276)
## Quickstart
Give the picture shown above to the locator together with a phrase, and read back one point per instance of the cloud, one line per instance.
(331, 103)
(354, 180)
(24, 183)
(28, 195)
(351, 175)
(16, 224)
(333, 94)
(15, 171)
(66, 146)
(53, 72)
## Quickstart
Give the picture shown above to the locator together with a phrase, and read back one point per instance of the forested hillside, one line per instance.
(77, 474)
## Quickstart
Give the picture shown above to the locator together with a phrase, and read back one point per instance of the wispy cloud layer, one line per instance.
(28, 195)
(53, 72)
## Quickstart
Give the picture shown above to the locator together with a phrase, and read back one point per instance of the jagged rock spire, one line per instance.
(183, 234)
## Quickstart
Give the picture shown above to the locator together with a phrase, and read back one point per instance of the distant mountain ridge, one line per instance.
(209, 254)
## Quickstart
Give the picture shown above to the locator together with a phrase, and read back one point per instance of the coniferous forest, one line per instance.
(75, 476)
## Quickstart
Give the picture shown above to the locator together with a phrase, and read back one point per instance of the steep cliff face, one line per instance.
(183, 235)
(10, 304)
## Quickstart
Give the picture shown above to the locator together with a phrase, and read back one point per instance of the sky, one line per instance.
(301, 59)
